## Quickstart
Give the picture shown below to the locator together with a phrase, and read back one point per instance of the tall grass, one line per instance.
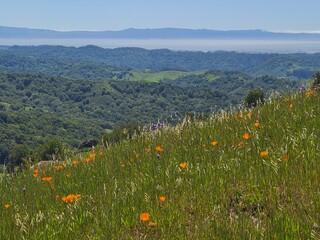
(246, 174)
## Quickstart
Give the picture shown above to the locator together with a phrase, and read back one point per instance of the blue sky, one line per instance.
(273, 15)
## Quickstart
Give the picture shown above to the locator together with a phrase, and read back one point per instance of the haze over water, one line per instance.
(252, 46)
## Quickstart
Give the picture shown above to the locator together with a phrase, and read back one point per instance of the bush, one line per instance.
(254, 98)
(51, 149)
(18, 156)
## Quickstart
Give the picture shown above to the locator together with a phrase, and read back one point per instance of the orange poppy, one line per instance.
(246, 136)
(144, 217)
(183, 165)
(214, 143)
(257, 124)
(7, 206)
(162, 198)
(59, 167)
(290, 105)
(264, 153)
(92, 155)
(75, 163)
(159, 149)
(249, 115)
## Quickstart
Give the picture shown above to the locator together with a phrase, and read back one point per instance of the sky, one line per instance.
(99, 15)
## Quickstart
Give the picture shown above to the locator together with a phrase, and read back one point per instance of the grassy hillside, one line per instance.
(245, 174)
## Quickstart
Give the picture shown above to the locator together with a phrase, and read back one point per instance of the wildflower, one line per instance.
(101, 153)
(241, 144)
(159, 149)
(70, 198)
(162, 198)
(92, 155)
(310, 92)
(246, 136)
(144, 217)
(46, 179)
(158, 155)
(59, 167)
(68, 175)
(7, 206)
(152, 224)
(290, 105)
(249, 115)
(75, 162)
(35, 173)
(214, 143)
(285, 157)
(183, 165)
(264, 153)
(87, 160)
(257, 124)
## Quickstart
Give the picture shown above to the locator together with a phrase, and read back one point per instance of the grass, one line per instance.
(223, 178)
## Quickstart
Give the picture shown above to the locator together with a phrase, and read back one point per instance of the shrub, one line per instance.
(254, 98)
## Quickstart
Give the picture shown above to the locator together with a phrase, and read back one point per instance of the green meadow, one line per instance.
(240, 174)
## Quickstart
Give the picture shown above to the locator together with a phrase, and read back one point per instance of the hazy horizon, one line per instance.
(99, 15)
(204, 45)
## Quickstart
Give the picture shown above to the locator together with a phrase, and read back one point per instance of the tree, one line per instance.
(4, 153)
(18, 155)
(254, 97)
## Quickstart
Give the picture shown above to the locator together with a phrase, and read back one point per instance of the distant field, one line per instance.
(145, 76)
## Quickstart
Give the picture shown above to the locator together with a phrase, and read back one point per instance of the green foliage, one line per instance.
(254, 98)
(18, 156)
(51, 150)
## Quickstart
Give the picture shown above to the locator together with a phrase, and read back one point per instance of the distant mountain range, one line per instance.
(160, 33)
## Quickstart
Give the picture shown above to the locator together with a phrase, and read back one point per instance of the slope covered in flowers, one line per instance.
(238, 175)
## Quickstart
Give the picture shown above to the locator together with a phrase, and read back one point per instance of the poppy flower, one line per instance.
(246, 136)
(257, 124)
(264, 153)
(7, 206)
(159, 149)
(144, 217)
(59, 167)
(183, 165)
(214, 143)
(75, 163)
(162, 198)
(249, 115)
